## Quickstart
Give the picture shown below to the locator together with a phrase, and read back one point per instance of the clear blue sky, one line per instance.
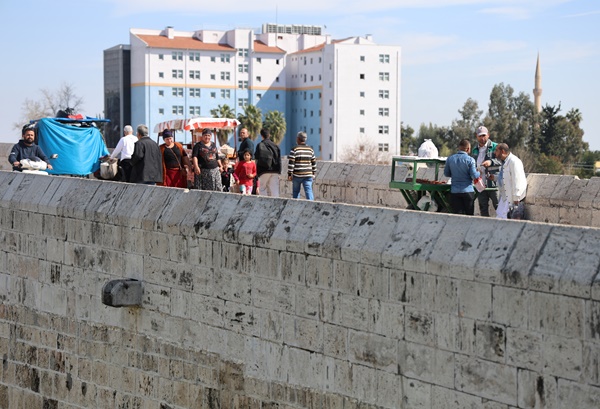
(451, 49)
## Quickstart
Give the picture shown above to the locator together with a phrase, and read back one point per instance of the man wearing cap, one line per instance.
(206, 163)
(487, 163)
(124, 150)
(146, 161)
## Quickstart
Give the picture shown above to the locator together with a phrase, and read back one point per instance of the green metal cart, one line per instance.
(414, 189)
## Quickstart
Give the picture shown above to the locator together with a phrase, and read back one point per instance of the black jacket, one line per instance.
(146, 162)
(21, 151)
(268, 157)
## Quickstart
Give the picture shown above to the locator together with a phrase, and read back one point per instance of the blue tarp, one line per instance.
(78, 148)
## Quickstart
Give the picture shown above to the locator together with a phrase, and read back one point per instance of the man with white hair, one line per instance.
(124, 150)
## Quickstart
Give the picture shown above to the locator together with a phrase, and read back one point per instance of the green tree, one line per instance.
(561, 136)
(510, 119)
(276, 125)
(251, 119)
(408, 143)
(49, 103)
(465, 126)
(550, 165)
(223, 111)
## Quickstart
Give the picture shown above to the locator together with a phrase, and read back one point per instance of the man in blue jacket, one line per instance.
(461, 168)
(26, 149)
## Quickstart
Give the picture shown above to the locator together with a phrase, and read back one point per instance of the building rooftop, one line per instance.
(159, 41)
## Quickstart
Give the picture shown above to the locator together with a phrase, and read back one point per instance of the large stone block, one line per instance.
(494, 381)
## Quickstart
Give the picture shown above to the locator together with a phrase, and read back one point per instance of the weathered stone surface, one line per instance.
(265, 302)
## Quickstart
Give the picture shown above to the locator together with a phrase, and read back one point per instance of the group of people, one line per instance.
(501, 172)
(144, 161)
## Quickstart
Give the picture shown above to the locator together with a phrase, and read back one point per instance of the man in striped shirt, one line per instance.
(302, 167)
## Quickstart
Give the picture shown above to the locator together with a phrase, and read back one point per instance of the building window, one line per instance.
(258, 78)
(276, 96)
(177, 55)
(384, 112)
(258, 96)
(259, 60)
(362, 112)
(161, 75)
(319, 59)
(384, 76)
(195, 92)
(177, 110)
(177, 92)
(361, 130)
(243, 52)
(226, 93)
(225, 75)
(195, 75)
(330, 120)
(277, 61)
(384, 94)
(213, 76)
(213, 94)
(384, 147)
(161, 56)
(161, 93)
(243, 84)
(242, 67)
(213, 59)
(384, 58)
(384, 129)
(225, 58)
(161, 111)
(362, 76)
(195, 111)
(362, 58)
(194, 56)
(242, 102)
(177, 73)
(276, 79)
(362, 94)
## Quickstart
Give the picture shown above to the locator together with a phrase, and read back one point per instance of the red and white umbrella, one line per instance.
(212, 123)
(197, 123)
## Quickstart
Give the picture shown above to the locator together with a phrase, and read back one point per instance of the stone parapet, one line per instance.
(272, 302)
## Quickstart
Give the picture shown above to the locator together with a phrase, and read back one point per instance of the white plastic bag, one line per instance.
(428, 149)
(479, 185)
(427, 203)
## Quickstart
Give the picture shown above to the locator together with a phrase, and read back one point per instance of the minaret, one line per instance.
(537, 91)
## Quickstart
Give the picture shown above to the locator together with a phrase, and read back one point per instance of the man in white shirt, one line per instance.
(124, 150)
(512, 181)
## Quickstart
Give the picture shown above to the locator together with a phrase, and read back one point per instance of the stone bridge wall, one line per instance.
(255, 302)
(550, 198)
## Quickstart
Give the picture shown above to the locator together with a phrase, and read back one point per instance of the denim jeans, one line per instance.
(306, 183)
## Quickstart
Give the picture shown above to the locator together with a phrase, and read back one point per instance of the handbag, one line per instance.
(109, 169)
(516, 212)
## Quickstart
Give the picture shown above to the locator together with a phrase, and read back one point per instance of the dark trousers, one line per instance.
(484, 201)
(126, 167)
(462, 203)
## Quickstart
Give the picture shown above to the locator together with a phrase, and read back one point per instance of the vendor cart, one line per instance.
(196, 125)
(417, 177)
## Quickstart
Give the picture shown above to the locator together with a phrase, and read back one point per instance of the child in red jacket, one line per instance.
(245, 172)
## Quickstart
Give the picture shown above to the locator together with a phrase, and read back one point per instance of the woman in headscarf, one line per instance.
(175, 162)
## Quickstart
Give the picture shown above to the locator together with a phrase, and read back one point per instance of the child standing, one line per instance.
(226, 174)
(245, 172)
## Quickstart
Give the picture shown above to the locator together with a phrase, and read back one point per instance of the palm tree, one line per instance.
(275, 123)
(251, 119)
(223, 111)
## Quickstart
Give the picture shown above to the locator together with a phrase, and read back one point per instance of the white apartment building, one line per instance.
(342, 93)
